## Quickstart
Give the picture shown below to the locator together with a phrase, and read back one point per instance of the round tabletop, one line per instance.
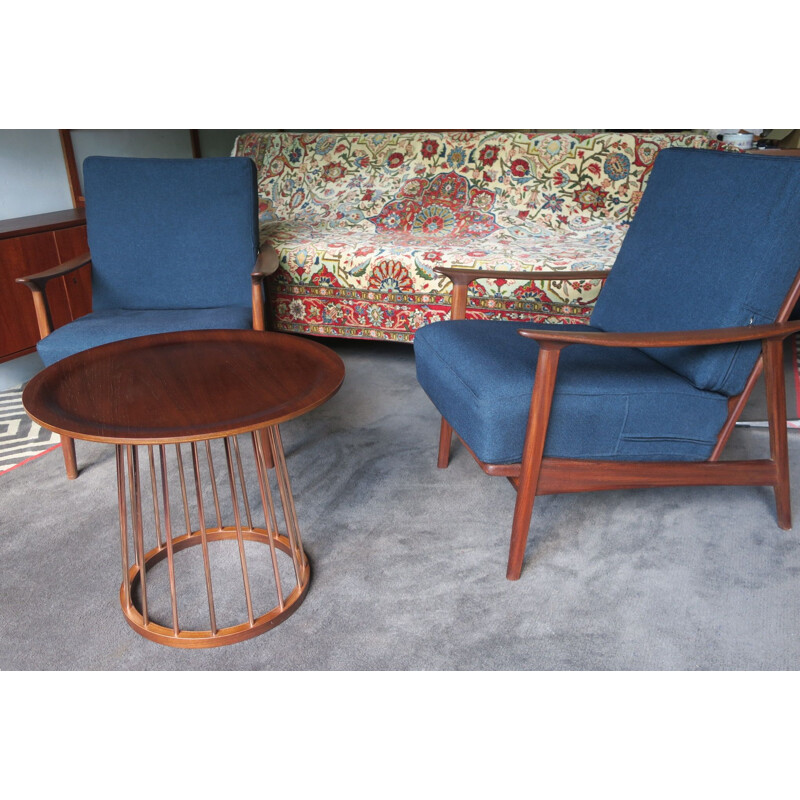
(179, 387)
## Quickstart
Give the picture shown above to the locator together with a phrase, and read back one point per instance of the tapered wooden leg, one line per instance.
(70, 460)
(458, 310)
(535, 435)
(523, 510)
(445, 438)
(778, 442)
(269, 460)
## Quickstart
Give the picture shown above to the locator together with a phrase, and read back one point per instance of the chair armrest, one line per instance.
(747, 333)
(462, 277)
(551, 343)
(465, 275)
(266, 264)
(37, 283)
(38, 280)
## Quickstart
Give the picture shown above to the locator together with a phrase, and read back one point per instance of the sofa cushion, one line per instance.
(152, 222)
(714, 244)
(321, 271)
(609, 403)
(112, 325)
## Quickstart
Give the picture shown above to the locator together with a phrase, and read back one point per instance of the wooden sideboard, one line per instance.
(29, 245)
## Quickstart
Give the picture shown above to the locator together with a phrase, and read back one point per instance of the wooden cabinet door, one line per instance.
(72, 242)
(69, 297)
(18, 328)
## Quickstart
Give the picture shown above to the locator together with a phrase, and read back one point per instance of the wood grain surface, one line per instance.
(178, 387)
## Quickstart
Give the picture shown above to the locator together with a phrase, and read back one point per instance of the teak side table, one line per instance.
(194, 392)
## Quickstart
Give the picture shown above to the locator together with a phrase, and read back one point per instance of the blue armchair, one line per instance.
(649, 392)
(173, 246)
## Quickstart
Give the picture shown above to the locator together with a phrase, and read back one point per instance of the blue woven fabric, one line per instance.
(171, 233)
(173, 243)
(609, 403)
(102, 327)
(713, 244)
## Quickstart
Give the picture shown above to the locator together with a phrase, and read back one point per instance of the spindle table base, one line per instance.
(131, 488)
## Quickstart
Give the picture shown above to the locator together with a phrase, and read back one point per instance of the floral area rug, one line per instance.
(21, 439)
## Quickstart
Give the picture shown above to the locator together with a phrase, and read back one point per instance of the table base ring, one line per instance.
(223, 636)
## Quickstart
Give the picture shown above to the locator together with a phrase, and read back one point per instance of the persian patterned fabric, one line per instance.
(360, 221)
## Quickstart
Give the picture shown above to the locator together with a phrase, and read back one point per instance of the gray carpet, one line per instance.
(409, 561)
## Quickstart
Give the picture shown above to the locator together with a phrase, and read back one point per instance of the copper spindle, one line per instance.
(289, 513)
(239, 537)
(204, 538)
(130, 495)
(154, 489)
(213, 484)
(183, 490)
(168, 532)
(269, 509)
(241, 481)
(123, 524)
(138, 531)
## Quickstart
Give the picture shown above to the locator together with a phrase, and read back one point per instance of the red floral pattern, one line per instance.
(390, 276)
(590, 197)
(444, 205)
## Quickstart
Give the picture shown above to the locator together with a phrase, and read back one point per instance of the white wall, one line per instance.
(33, 177)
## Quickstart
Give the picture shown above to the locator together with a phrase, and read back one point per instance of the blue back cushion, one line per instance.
(171, 233)
(715, 243)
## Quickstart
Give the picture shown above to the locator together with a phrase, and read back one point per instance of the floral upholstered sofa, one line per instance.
(360, 221)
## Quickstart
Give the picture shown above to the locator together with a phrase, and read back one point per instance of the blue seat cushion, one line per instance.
(102, 327)
(714, 244)
(171, 232)
(609, 403)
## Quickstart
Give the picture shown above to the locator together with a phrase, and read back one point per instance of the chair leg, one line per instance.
(269, 459)
(535, 434)
(783, 504)
(778, 441)
(523, 510)
(70, 460)
(445, 438)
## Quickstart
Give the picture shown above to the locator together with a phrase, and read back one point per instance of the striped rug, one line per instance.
(21, 439)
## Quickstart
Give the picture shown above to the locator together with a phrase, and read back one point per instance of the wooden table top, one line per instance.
(177, 387)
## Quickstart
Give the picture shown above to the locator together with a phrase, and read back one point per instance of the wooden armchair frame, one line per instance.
(539, 475)
(266, 264)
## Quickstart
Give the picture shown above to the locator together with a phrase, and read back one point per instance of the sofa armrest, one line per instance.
(462, 277)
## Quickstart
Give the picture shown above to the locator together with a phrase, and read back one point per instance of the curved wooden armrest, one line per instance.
(463, 276)
(266, 263)
(38, 281)
(748, 333)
